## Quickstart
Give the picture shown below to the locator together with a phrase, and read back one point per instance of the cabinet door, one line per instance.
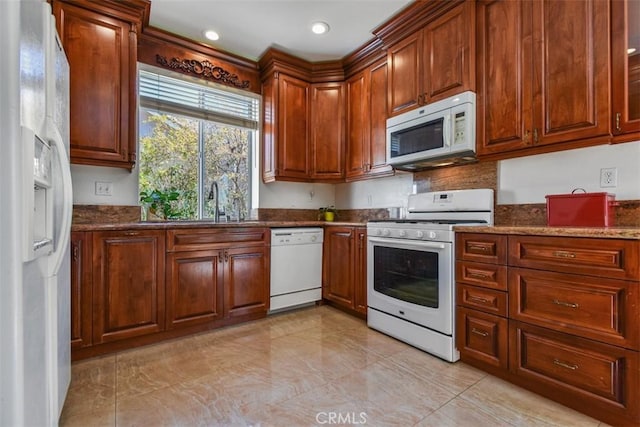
(594, 378)
(128, 278)
(80, 289)
(367, 124)
(504, 79)
(327, 131)
(405, 91)
(357, 125)
(448, 52)
(101, 53)
(482, 338)
(360, 282)
(293, 123)
(572, 62)
(338, 268)
(377, 144)
(194, 287)
(625, 69)
(246, 281)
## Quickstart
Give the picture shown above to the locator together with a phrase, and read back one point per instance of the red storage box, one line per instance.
(581, 210)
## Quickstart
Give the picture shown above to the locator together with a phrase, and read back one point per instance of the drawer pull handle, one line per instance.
(475, 275)
(566, 304)
(478, 248)
(564, 254)
(479, 332)
(564, 364)
(478, 299)
(131, 233)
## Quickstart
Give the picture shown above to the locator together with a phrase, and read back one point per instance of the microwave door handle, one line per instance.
(446, 134)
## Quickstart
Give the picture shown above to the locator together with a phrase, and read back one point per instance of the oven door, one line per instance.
(411, 280)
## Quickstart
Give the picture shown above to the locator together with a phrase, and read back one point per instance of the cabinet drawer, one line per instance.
(487, 275)
(481, 247)
(207, 238)
(585, 374)
(482, 337)
(602, 309)
(487, 300)
(617, 259)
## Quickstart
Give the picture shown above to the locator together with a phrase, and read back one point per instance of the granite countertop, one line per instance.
(163, 225)
(605, 232)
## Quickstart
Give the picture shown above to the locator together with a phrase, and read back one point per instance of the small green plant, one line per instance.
(159, 203)
(328, 213)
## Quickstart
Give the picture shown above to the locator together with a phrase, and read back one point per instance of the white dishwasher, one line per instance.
(296, 266)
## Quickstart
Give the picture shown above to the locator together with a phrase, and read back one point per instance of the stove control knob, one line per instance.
(385, 232)
(403, 233)
(420, 234)
(432, 235)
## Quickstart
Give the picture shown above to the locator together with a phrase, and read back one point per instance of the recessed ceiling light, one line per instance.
(631, 50)
(211, 35)
(320, 27)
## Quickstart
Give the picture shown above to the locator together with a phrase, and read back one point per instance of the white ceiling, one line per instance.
(248, 27)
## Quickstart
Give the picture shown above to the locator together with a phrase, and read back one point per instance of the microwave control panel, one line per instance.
(459, 127)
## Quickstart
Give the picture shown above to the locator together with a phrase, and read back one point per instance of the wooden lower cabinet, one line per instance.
(194, 287)
(592, 377)
(126, 290)
(482, 338)
(246, 281)
(343, 275)
(81, 290)
(128, 284)
(571, 307)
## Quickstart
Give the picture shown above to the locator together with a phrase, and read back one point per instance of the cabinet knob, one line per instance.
(618, 122)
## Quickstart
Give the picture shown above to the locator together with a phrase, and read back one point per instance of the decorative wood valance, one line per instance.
(204, 69)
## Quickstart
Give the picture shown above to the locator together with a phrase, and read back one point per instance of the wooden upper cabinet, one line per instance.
(293, 121)
(543, 74)
(505, 98)
(327, 131)
(405, 90)
(625, 69)
(367, 124)
(101, 49)
(433, 63)
(572, 56)
(449, 53)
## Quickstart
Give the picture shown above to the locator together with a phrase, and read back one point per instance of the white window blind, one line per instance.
(182, 97)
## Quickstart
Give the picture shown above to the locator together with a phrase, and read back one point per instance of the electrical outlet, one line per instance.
(103, 188)
(608, 177)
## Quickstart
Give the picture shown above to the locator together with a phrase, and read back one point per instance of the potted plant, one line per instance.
(158, 204)
(327, 213)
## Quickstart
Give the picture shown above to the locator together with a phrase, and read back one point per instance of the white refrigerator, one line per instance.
(35, 216)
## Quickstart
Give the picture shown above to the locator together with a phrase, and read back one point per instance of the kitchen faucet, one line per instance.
(214, 192)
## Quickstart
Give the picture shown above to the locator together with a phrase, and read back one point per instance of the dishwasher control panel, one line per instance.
(296, 236)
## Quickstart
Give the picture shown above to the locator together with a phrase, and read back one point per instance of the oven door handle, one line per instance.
(418, 243)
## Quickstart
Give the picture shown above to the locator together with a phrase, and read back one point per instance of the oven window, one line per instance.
(407, 275)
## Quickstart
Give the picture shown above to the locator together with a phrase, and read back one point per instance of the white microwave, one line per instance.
(437, 134)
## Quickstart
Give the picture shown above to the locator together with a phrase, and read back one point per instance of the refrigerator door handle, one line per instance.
(55, 260)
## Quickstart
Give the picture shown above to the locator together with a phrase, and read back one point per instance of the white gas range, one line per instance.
(410, 268)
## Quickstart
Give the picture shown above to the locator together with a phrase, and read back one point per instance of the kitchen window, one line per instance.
(198, 139)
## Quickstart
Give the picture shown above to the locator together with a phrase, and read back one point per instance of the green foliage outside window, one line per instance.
(169, 161)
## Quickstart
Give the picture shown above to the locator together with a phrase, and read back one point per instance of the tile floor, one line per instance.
(297, 369)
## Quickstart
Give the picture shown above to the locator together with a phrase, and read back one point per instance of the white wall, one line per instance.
(375, 193)
(124, 185)
(530, 179)
(296, 195)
